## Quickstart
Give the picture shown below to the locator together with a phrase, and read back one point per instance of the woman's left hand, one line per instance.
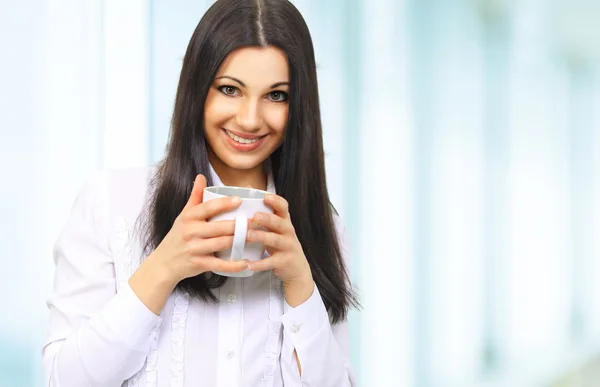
(287, 259)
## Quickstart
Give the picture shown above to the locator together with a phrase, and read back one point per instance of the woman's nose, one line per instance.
(248, 116)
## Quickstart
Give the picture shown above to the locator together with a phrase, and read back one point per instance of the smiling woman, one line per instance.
(136, 298)
(246, 112)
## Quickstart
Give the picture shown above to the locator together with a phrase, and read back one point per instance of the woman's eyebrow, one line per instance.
(273, 86)
(233, 79)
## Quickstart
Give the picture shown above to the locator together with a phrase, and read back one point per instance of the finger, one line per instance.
(264, 264)
(279, 205)
(269, 239)
(197, 190)
(207, 230)
(272, 222)
(213, 207)
(211, 245)
(217, 264)
(252, 225)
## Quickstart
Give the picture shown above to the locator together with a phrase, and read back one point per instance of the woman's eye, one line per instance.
(278, 96)
(228, 90)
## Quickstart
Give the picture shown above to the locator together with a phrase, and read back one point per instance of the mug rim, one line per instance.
(235, 188)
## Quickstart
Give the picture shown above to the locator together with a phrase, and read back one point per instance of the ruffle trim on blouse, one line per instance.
(125, 267)
(274, 335)
(178, 326)
(151, 360)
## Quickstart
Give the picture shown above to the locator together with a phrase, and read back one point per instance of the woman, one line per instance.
(135, 301)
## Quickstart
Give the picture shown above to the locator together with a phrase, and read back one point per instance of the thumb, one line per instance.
(197, 190)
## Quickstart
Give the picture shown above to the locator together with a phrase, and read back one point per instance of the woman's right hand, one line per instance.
(187, 249)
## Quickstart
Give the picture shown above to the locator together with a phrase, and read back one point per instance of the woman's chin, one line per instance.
(241, 162)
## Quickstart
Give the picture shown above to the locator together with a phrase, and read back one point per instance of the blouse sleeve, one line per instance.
(323, 348)
(96, 336)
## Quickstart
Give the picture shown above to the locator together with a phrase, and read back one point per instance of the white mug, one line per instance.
(252, 202)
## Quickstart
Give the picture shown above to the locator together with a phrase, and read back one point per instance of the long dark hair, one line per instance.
(298, 164)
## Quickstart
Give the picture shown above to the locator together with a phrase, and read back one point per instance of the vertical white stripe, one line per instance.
(538, 251)
(126, 83)
(386, 203)
(456, 230)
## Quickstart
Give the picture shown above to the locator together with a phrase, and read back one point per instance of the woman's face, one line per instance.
(246, 110)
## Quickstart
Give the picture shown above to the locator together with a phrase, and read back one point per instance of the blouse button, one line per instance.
(230, 354)
(231, 298)
(295, 328)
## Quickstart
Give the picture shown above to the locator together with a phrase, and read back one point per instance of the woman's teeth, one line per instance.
(241, 140)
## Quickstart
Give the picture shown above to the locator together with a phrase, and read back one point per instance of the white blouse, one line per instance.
(101, 334)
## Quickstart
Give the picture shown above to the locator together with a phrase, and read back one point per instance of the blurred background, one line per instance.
(463, 154)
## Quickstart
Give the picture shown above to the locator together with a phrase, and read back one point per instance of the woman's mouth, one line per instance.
(244, 144)
(242, 140)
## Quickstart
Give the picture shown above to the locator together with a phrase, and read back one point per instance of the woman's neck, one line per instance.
(255, 177)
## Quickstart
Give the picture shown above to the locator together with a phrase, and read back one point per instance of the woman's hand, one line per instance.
(187, 249)
(287, 257)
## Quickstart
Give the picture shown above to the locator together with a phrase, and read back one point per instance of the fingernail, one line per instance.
(251, 234)
(259, 216)
(236, 200)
